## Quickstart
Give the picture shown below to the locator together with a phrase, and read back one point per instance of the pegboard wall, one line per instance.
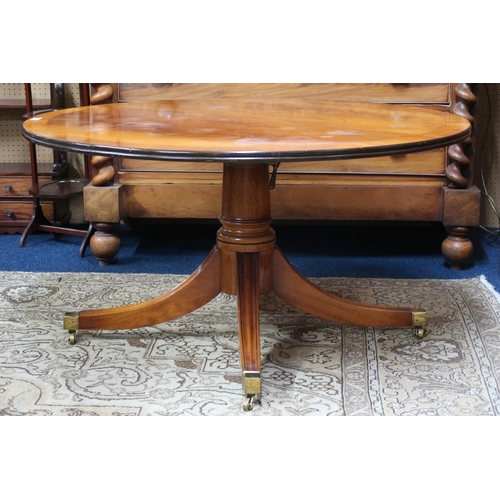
(14, 148)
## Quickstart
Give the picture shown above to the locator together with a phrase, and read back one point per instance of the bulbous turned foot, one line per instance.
(105, 244)
(457, 248)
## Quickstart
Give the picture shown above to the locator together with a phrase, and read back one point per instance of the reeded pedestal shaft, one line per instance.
(246, 241)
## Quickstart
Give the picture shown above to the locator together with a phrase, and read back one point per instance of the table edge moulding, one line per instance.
(247, 138)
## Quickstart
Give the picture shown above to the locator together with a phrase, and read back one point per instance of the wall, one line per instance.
(487, 170)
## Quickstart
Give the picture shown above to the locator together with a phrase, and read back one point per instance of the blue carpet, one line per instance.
(407, 251)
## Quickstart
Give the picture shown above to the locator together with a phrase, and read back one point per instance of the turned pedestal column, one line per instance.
(246, 241)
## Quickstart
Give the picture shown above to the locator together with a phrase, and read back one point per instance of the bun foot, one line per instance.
(104, 243)
(457, 248)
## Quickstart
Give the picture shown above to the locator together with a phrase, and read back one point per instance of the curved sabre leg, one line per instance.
(197, 290)
(298, 291)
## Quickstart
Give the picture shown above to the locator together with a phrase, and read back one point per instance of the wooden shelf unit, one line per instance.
(16, 179)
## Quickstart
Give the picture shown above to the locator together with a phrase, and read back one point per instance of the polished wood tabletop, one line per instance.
(233, 129)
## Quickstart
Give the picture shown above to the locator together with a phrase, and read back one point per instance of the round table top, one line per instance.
(249, 130)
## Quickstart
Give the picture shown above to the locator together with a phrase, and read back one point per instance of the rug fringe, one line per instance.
(490, 287)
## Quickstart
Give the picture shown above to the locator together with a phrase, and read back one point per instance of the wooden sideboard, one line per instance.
(429, 186)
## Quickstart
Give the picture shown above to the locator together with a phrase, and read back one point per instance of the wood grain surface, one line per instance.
(247, 129)
(430, 93)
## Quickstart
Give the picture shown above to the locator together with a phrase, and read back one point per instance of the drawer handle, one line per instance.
(8, 187)
(10, 213)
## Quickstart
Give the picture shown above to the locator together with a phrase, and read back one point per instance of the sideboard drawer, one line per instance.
(417, 93)
(292, 201)
(429, 163)
(17, 186)
(426, 163)
(18, 212)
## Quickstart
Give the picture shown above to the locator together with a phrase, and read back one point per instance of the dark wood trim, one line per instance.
(249, 157)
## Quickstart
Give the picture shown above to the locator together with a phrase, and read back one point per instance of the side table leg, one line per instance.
(249, 327)
(86, 240)
(37, 219)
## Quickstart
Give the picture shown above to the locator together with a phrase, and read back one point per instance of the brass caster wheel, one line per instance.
(249, 401)
(71, 324)
(420, 332)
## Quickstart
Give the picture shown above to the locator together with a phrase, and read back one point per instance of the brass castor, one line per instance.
(419, 319)
(71, 324)
(420, 332)
(249, 401)
(251, 386)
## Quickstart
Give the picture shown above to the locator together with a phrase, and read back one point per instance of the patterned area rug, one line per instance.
(191, 366)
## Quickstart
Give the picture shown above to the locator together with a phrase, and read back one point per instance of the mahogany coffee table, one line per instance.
(250, 137)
